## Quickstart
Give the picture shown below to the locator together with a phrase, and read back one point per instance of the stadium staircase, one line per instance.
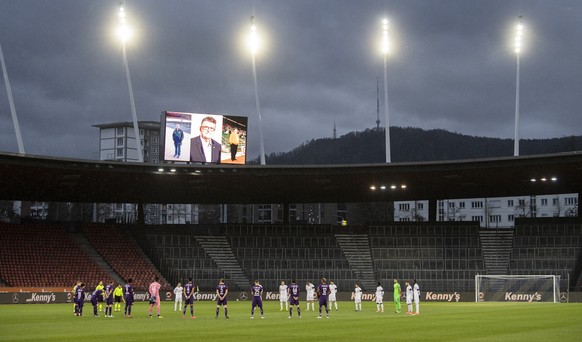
(220, 251)
(356, 249)
(496, 245)
(86, 246)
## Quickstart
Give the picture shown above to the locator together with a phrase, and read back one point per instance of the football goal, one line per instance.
(517, 288)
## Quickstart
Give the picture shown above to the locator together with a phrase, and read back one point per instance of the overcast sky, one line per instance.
(452, 67)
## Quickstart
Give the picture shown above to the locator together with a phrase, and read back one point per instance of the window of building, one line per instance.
(405, 219)
(495, 218)
(555, 201)
(461, 204)
(509, 203)
(571, 201)
(404, 206)
(119, 141)
(451, 204)
(420, 206)
(441, 204)
(521, 202)
(510, 218)
(478, 218)
(118, 206)
(477, 204)
(120, 152)
(119, 130)
(544, 201)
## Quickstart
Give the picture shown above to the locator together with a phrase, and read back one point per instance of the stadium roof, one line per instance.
(70, 180)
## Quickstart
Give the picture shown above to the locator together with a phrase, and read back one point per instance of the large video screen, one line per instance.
(204, 138)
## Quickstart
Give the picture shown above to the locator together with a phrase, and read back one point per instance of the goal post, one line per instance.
(517, 288)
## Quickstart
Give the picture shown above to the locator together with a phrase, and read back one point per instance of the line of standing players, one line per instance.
(110, 293)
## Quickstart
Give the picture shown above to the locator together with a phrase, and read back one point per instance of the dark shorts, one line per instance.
(323, 301)
(100, 299)
(94, 302)
(128, 300)
(293, 301)
(109, 300)
(221, 302)
(189, 301)
(257, 302)
(118, 299)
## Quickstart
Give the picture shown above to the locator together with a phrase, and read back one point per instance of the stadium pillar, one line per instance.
(432, 210)
(285, 213)
(140, 214)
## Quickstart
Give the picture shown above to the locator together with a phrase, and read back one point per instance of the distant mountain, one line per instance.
(413, 145)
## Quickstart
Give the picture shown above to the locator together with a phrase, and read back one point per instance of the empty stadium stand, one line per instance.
(442, 257)
(44, 255)
(544, 248)
(123, 254)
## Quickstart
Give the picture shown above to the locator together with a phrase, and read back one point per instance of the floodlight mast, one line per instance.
(124, 33)
(254, 46)
(11, 103)
(385, 51)
(517, 49)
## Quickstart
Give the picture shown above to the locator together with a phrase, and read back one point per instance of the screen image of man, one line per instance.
(203, 148)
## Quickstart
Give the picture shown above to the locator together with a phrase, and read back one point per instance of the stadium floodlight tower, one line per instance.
(517, 49)
(254, 45)
(124, 32)
(11, 103)
(385, 51)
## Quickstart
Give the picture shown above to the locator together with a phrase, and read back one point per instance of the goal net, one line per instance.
(517, 288)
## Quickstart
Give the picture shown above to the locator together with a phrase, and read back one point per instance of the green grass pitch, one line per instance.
(437, 322)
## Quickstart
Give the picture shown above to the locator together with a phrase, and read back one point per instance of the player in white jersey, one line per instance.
(310, 288)
(379, 298)
(416, 292)
(409, 296)
(332, 295)
(358, 297)
(283, 296)
(178, 290)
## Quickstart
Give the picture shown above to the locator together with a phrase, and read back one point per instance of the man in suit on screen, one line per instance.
(203, 148)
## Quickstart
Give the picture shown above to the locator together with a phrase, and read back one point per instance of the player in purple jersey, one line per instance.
(73, 294)
(109, 299)
(95, 300)
(221, 292)
(79, 299)
(294, 293)
(128, 293)
(322, 293)
(189, 294)
(257, 292)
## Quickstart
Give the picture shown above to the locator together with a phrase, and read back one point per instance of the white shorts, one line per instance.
(283, 298)
(331, 298)
(379, 300)
(417, 299)
(310, 297)
(358, 300)
(408, 301)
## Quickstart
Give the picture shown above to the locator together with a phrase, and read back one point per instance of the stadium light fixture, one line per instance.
(124, 33)
(11, 104)
(518, 46)
(385, 51)
(254, 44)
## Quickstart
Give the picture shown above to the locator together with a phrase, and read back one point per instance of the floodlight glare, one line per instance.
(372, 188)
(385, 41)
(517, 44)
(554, 179)
(123, 32)
(254, 41)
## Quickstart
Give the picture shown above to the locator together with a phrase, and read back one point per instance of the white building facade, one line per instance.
(499, 212)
